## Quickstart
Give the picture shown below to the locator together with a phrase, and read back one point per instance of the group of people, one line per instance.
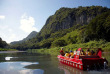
(71, 53)
(88, 52)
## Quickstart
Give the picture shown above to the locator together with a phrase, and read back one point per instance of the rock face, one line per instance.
(65, 18)
(30, 36)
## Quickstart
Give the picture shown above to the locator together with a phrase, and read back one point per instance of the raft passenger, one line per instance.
(67, 54)
(75, 52)
(88, 52)
(62, 52)
(71, 54)
(82, 52)
(92, 52)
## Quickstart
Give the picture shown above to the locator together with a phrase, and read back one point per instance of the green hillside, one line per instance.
(71, 26)
(30, 36)
(2, 43)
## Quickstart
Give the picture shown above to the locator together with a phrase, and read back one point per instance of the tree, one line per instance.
(99, 27)
(2, 43)
(59, 42)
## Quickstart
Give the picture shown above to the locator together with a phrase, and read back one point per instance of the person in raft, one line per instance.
(67, 54)
(62, 52)
(75, 52)
(71, 54)
(88, 52)
(92, 52)
(82, 52)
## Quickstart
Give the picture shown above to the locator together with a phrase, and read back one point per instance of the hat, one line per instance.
(70, 50)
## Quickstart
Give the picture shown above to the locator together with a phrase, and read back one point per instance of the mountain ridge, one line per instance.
(66, 26)
(65, 18)
(30, 36)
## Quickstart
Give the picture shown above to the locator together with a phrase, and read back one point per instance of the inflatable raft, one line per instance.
(85, 62)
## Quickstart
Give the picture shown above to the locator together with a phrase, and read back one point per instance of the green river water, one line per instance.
(34, 63)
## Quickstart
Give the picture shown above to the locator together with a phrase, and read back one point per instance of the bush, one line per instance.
(59, 43)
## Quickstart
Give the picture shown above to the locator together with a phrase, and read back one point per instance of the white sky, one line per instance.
(20, 17)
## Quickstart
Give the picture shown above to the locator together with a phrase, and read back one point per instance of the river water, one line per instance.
(34, 63)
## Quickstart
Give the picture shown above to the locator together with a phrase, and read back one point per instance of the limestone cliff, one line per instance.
(65, 18)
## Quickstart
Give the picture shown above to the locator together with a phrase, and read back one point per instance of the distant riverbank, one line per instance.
(4, 49)
(11, 51)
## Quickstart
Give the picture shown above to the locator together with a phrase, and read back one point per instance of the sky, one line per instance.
(18, 18)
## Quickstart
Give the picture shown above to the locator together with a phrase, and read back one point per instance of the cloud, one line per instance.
(26, 71)
(8, 58)
(27, 23)
(29, 71)
(29, 63)
(2, 17)
(7, 34)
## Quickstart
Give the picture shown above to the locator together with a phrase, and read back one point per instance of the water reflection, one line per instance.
(8, 58)
(28, 63)
(70, 70)
(29, 71)
(33, 63)
(18, 68)
(26, 71)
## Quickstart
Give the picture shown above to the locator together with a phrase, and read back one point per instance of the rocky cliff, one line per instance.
(65, 18)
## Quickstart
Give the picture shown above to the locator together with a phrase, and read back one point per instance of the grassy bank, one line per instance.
(92, 44)
(4, 49)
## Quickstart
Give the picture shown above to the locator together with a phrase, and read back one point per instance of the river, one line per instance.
(34, 63)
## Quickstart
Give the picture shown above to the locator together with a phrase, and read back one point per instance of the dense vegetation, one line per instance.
(2, 43)
(65, 18)
(70, 26)
(5, 49)
(4, 46)
(99, 27)
(92, 44)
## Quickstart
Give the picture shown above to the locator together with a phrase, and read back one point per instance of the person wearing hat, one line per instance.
(71, 53)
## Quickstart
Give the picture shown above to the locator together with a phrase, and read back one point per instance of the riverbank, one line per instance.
(92, 44)
(11, 51)
(4, 49)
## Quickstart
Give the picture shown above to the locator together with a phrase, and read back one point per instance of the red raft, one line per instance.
(85, 62)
